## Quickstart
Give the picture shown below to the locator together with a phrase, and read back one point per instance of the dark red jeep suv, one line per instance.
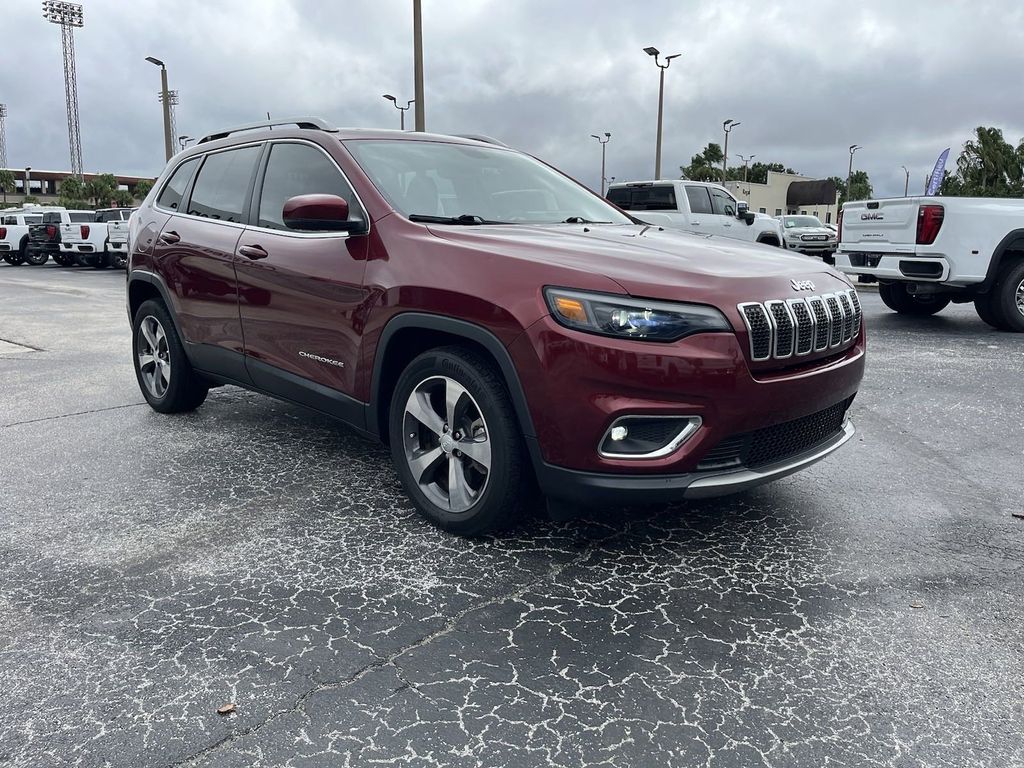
(494, 322)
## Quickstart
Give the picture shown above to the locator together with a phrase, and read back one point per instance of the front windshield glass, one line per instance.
(433, 180)
(802, 221)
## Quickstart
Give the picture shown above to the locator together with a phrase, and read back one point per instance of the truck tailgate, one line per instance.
(880, 222)
(117, 231)
(71, 233)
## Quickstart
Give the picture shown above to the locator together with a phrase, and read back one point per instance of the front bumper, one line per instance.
(598, 489)
(814, 247)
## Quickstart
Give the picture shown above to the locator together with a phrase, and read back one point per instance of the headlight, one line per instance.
(627, 318)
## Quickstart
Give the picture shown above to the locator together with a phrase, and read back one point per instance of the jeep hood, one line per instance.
(652, 262)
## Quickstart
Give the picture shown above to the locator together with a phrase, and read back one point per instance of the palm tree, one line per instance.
(989, 166)
(6, 183)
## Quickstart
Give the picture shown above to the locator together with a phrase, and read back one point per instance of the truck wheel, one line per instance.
(455, 442)
(12, 258)
(35, 258)
(64, 259)
(100, 261)
(162, 368)
(984, 305)
(896, 298)
(118, 260)
(1008, 298)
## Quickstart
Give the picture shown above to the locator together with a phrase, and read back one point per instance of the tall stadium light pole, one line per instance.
(166, 101)
(3, 135)
(69, 16)
(172, 97)
(652, 51)
(417, 48)
(727, 126)
(394, 101)
(746, 164)
(849, 173)
(603, 142)
(906, 185)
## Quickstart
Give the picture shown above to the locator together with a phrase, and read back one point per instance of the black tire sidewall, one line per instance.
(497, 507)
(896, 298)
(1004, 299)
(184, 392)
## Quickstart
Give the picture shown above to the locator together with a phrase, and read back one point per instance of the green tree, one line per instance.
(123, 198)
(757, 173)
(6, 183)
(860, 187)
(72, 193)
(101, 188)
(30, 199)
(707, 166)
(988, 166)
(142, 189)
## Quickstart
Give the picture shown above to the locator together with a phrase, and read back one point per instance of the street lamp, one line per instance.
(28, 180)
(394, 101)
(746, 162)
(602, 142)
(165, 98)
(652, 51)
(727, 126)
(906, 185)
(184, 140)
(849, 173)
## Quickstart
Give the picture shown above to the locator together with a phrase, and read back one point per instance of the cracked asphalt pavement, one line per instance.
(865, 612)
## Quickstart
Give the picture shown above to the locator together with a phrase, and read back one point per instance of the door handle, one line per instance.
(169, 237)
(253, 252)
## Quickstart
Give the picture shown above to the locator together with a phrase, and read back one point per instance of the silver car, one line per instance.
(807, 235)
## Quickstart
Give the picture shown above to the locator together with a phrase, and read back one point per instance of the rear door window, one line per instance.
(656, 197)
(700, 202)
(223, 185)
(82, 217)
(299, 169)
(171, 194)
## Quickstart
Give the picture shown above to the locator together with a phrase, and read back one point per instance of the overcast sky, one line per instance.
(807, 79)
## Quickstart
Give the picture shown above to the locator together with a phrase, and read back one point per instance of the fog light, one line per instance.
(647, 437)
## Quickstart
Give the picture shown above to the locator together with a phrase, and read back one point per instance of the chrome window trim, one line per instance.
(692, 425)
(750, 330)
(814, 326)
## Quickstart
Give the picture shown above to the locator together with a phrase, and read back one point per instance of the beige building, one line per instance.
(789, 194)
(45, 185)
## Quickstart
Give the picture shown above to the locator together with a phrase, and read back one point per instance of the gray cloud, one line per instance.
(806, 79)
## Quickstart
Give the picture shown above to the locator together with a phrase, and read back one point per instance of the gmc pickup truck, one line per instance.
(926, 252)
(44, 237)
(695, 206)
(117, 238)
(87, 243)
(14, 224)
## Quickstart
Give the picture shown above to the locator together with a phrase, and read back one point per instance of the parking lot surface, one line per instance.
(865, 612)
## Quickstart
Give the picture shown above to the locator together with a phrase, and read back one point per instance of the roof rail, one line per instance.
(481, 137)
(309, 123)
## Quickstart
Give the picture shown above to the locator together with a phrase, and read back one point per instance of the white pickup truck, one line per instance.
(14, 224)
(928, 251)
(695, 206)
(89, 243)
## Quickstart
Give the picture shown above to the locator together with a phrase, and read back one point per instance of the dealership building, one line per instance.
(790, 194)
(45, 185)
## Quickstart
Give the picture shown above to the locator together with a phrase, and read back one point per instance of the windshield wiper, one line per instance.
(581, 220)
(466, 219)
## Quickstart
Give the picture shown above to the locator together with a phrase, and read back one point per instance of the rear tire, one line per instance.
(896, 298)
(983, 305)
(100, 261)
(452, 426)
(1007, 298)
(12, 258)
(64, 259)
(118, 260)
(162, 368)
(37, 258)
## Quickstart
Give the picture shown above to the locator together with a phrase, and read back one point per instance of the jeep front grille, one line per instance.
(796, 327)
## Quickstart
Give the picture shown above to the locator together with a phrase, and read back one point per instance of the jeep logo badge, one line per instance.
(802, 285)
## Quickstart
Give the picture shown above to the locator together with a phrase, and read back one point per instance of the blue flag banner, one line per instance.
(937, 173)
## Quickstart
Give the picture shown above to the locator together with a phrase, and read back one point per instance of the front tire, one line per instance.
(162, 369)
(896, 298)
(455, 442)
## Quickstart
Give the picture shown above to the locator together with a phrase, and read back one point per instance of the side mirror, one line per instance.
(743, 211)
(318, 213)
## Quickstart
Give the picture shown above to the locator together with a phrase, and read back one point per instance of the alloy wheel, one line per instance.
(153, 356)
(1019, 297)
(447, 443)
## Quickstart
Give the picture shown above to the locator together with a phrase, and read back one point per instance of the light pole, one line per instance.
(28, 180)
(394, 101)
(906, 185)
(727, 126)
(184, 140)
(602, 142)
(746, 162)
(3, 136)
(417, 49)
(849, 173)
(165, 98)
(69, 16)
(652, 51)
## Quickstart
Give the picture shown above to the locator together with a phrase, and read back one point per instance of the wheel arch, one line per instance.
(144, 285)
(409, 334)
(1010, 249)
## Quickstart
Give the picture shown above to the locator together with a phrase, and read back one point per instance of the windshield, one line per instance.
(801, 221)
(443, 182)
